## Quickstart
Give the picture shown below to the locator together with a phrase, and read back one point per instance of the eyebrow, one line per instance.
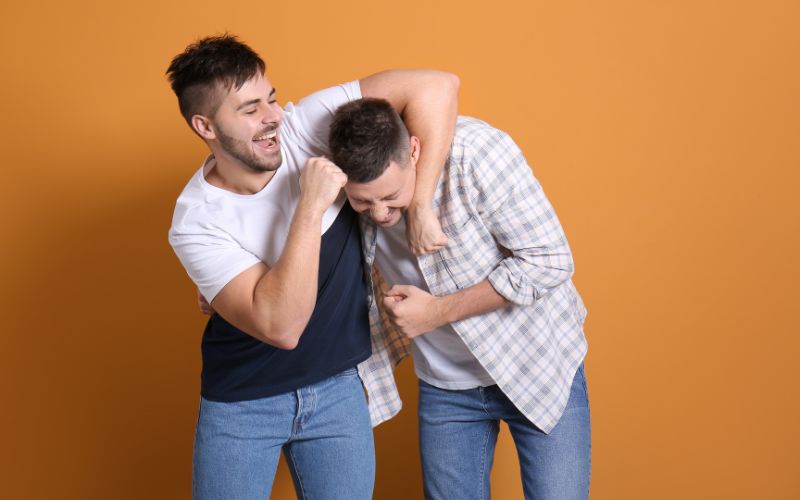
(255, 101)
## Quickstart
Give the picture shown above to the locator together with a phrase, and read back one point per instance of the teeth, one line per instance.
(268, 135)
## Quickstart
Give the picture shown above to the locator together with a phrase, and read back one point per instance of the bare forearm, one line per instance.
(415, 312)
(473, 301)
(285, 296)
(431, 116)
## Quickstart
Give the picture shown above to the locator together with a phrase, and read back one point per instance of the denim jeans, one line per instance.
(323, 430)
(458, 433)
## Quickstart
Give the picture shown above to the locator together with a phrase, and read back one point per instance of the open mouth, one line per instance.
(268, 140)
(388, 219)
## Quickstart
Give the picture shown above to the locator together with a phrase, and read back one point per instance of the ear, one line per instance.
(202, 125)
(414, 148)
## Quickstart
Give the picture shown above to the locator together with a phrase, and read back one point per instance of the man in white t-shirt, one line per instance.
(265, 233)
(495, 322)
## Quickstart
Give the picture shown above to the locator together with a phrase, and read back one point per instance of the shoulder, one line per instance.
(476, 142)
(308, 121)
(320, 103)
(192, 196)
(197, 210)
(474, 133)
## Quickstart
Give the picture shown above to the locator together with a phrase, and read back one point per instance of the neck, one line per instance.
(233, 175)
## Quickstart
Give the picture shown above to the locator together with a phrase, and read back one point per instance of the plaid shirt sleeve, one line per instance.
(516, 211)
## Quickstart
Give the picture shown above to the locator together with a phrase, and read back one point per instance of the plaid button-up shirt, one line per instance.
(502, 228)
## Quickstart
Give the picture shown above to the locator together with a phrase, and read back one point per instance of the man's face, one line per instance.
(385, 198)
(247, 124)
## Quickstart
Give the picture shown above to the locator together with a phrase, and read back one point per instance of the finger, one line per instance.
(403, 290)
(441, 240)
(431, 249)
(397, 291)
(389, 303)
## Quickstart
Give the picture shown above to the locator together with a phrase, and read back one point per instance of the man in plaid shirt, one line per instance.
(493, 321)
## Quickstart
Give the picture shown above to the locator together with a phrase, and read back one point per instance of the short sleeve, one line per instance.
(310, 119)
(212, 260)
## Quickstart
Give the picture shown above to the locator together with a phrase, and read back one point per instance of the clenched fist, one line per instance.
(321, 183)
(413, 311)
(423, 230)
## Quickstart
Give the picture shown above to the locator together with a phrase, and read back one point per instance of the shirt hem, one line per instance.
(284, 388)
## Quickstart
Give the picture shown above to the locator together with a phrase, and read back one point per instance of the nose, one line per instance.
(379, 212)
(273, 114)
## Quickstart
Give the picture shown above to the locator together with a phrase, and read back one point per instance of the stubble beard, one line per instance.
(243, 151)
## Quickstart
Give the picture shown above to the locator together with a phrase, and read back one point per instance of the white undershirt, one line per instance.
(440, 356)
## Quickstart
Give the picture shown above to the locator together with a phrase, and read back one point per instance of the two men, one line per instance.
(495, 321)
(266, 235)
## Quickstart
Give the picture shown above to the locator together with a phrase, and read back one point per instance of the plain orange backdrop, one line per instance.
(667, 135)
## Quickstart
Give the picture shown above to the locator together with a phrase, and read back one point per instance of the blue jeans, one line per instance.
(458, 432)
(323, 429)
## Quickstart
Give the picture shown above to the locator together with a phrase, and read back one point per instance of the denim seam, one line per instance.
(483, 459)
(484, 401)
(297, 473)
(314, 402)
(299, 416)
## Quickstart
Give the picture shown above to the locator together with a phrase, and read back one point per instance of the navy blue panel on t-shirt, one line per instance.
(237, 367)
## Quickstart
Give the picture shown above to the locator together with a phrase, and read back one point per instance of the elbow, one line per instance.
(285, 341)
(449, 82)
(454, 82)
(285, 337)
(437, 83)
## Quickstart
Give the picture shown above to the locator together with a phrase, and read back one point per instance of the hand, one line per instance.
(413, 311)
(203, 304)
(321, 183)
(423, 230)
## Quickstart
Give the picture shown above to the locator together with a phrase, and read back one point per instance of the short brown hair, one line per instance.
(208, 65)
(365, 136)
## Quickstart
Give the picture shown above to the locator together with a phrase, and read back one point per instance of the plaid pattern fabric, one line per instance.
(501, 227)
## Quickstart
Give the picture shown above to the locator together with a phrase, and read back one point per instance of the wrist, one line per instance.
(419, 207)
(310, 210)
(446, 309)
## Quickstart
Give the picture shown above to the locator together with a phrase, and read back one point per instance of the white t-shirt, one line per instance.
(218, 234)
(440, 356)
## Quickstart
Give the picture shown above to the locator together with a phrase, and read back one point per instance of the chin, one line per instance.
(270, 166)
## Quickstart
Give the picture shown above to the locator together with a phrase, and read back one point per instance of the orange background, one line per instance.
(665, 133)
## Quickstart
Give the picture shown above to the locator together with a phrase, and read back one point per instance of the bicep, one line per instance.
(389, 85)
(235, 301)
(398, 86)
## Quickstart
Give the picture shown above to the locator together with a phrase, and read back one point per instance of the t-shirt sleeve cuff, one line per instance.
(210, 290)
